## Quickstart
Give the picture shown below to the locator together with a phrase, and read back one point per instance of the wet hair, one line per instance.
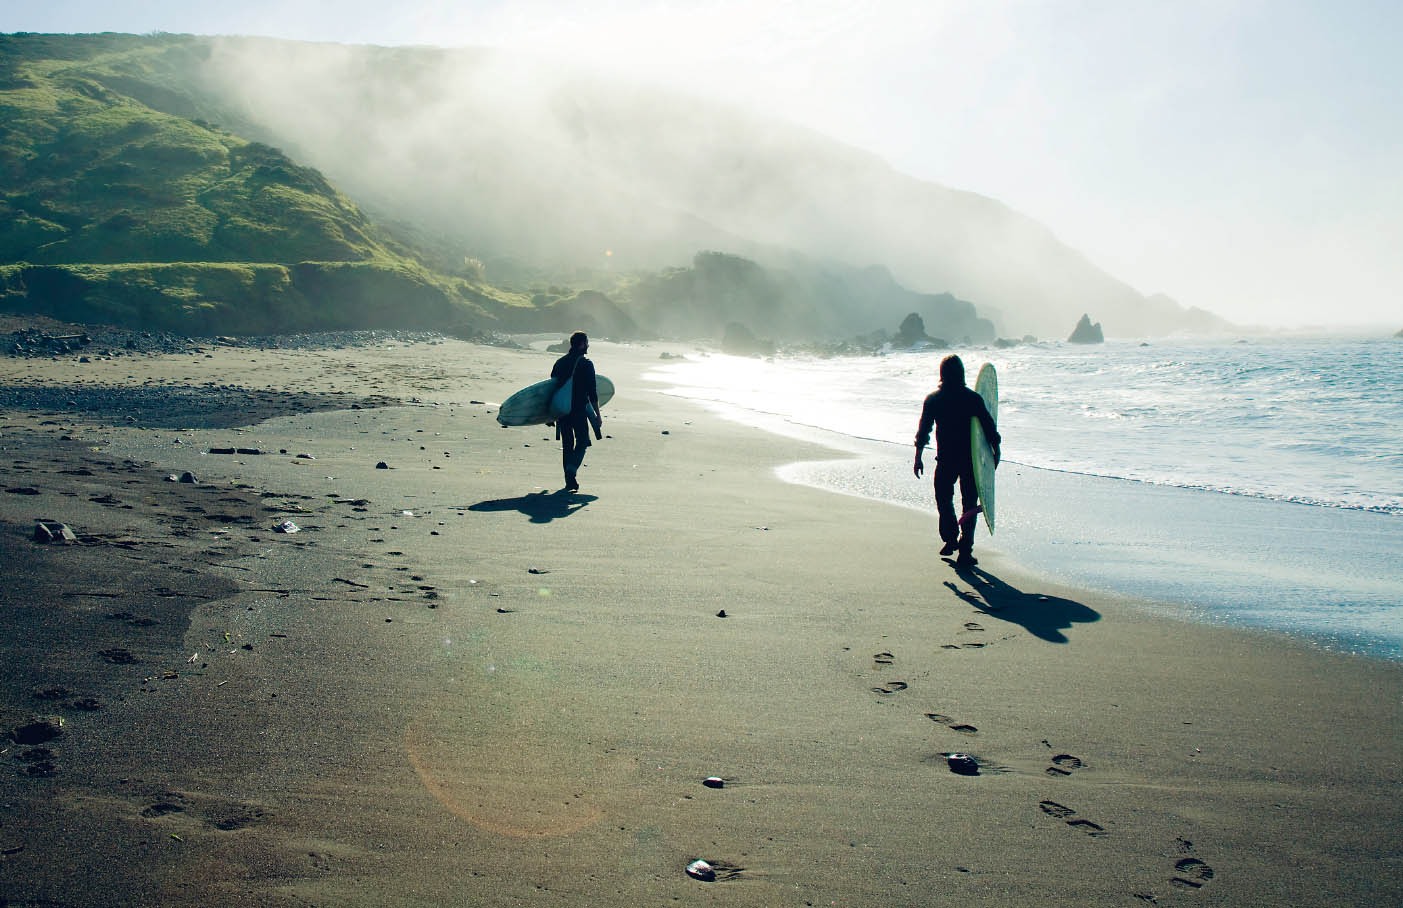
(952, 371)
(578, 340)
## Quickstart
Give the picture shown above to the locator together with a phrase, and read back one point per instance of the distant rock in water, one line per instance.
(1087, 332)
(913, 333)
(1400, 333)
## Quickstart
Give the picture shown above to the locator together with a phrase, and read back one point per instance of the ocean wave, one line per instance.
(1305, 422)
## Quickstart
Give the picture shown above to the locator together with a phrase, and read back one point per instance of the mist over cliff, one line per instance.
(505, 156)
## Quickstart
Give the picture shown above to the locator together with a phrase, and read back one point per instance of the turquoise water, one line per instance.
(1311, 421)
(1256, 483)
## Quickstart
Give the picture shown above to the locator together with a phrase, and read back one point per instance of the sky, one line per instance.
(1242, 156)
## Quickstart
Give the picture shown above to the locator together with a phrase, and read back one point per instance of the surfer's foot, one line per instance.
(966, 560)
(948, 549)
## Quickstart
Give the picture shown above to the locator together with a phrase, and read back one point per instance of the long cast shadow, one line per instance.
(541, 507)
(1045, 617)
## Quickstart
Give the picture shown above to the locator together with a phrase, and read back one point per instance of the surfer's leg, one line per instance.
(568, 459)
(945, 507)
(969, 500)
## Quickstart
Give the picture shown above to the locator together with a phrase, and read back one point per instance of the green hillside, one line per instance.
(111, 210)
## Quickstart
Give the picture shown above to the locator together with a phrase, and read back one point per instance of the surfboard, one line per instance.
(987, 387)
(531, 405)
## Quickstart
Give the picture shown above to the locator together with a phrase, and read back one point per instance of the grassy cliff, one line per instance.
(112, 210)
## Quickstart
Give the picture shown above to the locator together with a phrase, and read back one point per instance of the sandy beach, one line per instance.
(458, 685)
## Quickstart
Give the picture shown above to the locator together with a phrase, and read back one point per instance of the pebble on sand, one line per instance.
(962, 764)
(53, 531)
(701, 870)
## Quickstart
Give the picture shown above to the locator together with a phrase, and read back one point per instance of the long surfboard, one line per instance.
(531, 405)
(987, 387)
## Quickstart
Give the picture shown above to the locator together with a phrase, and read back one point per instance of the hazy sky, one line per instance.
(1239, 155)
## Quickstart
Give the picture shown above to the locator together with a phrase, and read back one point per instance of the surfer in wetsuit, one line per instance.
(949, 409)
(573, 429)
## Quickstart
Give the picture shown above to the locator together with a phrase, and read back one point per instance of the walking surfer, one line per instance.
(573, 428)
(949, 409)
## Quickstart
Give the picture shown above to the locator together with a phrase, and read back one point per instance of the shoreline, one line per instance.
(1182, 565)
(462, 686)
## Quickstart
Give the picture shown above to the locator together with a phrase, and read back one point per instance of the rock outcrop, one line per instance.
(913, 333)
(1087, 332)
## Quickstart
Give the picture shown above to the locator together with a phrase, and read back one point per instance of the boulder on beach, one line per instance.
(1087, 332)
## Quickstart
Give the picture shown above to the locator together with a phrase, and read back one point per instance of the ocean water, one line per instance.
(1293, 446)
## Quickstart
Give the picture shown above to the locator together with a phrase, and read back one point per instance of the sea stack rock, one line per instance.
(912, 333)
(1087, 332)
(1400, 333)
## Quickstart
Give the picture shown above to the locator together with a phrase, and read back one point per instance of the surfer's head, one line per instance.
(579, 341)
(952, 371)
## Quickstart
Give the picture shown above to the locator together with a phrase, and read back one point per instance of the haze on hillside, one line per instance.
(508, 157)
(1239, 157)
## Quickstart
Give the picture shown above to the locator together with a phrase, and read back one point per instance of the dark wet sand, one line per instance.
(511, 696)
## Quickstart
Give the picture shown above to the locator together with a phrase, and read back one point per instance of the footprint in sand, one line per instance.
(972, 626)
(951, 724)
(1193, 873)
(1065, 814)
(884, 658)
(1064, 765)
(891, 687)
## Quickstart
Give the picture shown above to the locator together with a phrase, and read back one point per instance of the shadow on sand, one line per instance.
(1045, 617)
(541, 507)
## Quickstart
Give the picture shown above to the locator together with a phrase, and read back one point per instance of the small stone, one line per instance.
(714, 782)
(962, 764)
(53, 531)
(188, 477)
(382, 466)
(722, 614)
(701, 870)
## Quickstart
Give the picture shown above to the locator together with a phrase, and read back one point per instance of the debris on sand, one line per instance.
(701, 870)
(53, 531)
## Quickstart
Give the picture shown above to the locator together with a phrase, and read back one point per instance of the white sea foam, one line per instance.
(1315, 422)
(1305, 422)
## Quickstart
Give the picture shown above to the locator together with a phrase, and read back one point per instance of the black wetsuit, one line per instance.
(950, 411)
(574, 428)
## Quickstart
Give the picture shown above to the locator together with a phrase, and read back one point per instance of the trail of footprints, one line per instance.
(1190, 873)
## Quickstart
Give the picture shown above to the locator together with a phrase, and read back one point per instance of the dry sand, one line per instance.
(511, 695)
